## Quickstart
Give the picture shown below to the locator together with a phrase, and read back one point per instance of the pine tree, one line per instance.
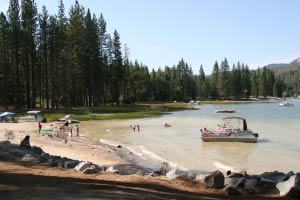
(15, 39)
(214, 82)
(117, 67)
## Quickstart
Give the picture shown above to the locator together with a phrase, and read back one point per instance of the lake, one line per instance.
(278, 146)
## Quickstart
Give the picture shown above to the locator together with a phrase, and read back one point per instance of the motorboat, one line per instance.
(286, 104)
(230, 132)
(225, 111)
(35, 116)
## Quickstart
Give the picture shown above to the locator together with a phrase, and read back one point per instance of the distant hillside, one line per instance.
(295, 63)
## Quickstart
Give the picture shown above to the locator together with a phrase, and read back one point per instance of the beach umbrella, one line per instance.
(7, 114)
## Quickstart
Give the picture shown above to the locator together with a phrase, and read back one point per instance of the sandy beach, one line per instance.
(19, 181)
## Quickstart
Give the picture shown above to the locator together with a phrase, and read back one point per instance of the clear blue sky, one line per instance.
(161, 32)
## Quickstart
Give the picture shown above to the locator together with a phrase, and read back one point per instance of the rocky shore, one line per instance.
(231, 184)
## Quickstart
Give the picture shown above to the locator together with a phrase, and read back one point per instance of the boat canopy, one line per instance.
(238, 118)
(33, 111)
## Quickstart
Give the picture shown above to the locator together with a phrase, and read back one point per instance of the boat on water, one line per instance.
(286, 104)
(230, 132)
(225, 111)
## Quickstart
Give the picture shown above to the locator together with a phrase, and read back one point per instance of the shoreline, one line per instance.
(106, 155)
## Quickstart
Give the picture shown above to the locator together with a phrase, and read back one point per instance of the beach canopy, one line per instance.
(33, 111)
(7, 114)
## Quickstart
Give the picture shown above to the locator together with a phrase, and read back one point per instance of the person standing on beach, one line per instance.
(138, 127)
(39, 127)
(77, 130)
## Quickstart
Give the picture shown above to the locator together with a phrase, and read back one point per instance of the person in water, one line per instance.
(25, 142)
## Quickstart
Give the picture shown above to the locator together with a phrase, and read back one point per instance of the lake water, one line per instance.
(278, 146)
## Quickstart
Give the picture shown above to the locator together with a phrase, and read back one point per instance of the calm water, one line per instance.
(278, 147)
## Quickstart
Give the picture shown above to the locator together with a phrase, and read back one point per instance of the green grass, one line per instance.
(111, 112)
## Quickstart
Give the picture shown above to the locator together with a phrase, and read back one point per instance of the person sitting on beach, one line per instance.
(25, 142)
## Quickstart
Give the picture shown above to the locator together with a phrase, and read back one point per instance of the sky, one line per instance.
(161, 32)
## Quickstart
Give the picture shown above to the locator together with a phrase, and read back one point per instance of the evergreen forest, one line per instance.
(70, 60)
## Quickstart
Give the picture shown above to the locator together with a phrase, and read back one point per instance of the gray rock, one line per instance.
(82, 166)
(274, 176)
(258, 186)
(37, 150)
(30, 157)
(17, 152)
(111, 169)
(234, 182)
(215, 180)
(290, 187)
(176, 173)
(91, 169)
(50, 163)
(4, 155)
(45, 156)
(71, 164)
(61, 162)
(229, 190)
(34, 163)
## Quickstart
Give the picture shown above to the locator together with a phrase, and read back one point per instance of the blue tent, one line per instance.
(5, 114)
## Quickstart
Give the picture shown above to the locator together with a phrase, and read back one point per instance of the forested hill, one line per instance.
(293, 64)
(289, 74)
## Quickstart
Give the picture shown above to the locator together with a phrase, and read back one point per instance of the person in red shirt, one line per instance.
(40, 127)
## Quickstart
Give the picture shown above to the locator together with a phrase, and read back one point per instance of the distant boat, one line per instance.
(286, 104)
(225, 111)
(230, 134)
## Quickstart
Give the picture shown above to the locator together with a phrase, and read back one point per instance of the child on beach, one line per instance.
(39, 127)
(77, 130)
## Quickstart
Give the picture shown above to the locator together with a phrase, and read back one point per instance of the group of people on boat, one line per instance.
(219, 129)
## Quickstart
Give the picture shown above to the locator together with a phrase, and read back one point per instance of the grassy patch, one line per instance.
(111, 112)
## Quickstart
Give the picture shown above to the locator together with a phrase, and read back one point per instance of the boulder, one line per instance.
(71, 164)
(30, 157)
(234, 182)
(45, 157)
(4, 155)
(215, 180)
(258, 186)
(229, 190)
(82, 166)
(37, 150)
(111, 169)
(91, 169)
(34, 163)
(275, 176)
(61, 162)
(290, 187)
(52, 163)
(176, 173)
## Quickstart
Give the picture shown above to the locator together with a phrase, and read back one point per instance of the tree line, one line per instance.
(52, 61)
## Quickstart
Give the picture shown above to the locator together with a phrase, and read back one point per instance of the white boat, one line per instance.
(286, 104)
(230, 133)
